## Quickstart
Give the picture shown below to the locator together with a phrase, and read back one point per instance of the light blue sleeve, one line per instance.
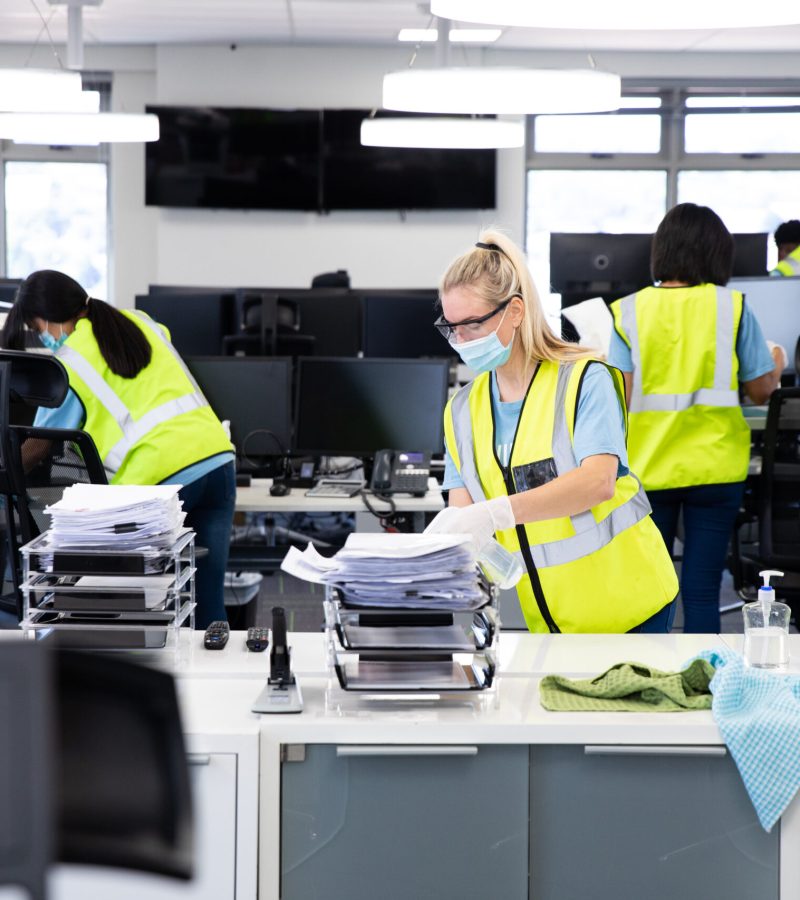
(751, 348)
(69, 415)
(451, 477)
(599, 425)
(619, 353)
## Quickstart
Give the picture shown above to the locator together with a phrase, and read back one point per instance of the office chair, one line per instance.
(93, 766)
(338, 279)
(777, 501)
(269, 325)
(36, 464)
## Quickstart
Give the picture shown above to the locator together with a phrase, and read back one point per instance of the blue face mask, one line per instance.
(486, 353)
(50, 342)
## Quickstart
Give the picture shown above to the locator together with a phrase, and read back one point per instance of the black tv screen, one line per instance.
(357, 177)
(237, 158)
(234, 158)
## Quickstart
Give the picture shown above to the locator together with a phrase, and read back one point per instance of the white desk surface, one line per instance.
(257, 498)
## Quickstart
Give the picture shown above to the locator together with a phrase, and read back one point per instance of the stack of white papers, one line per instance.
(396, 570)
(116, 517)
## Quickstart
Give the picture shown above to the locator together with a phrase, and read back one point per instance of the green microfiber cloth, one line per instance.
(631, 687)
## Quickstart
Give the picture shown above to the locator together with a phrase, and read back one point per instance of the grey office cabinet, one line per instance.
(609, 822)
(388, 822)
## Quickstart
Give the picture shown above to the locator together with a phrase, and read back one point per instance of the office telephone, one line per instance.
(400, 472)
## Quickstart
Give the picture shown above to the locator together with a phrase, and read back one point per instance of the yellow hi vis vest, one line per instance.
(603, 570)
(789, 265)
(686, 425)
(148, 427)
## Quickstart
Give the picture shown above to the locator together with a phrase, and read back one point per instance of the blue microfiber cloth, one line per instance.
(758, 715)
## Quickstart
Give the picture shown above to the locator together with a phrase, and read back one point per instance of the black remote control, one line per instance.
(216, 635)
(257, 639)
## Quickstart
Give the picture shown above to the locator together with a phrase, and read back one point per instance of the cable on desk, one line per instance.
(384, 517)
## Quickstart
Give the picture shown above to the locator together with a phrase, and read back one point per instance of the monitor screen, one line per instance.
(331, 317)
(400, 324)
(234, 158)
(750, 255)
(355, 407)
(775, 302)
(254, 394)
(197, 322)
(599, 265)
(358, 177)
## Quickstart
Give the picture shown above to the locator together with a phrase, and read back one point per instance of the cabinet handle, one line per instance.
(198, 759)
(406, 750)
(652, 750)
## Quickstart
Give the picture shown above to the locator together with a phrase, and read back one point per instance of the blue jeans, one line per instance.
(660, 623)
(709, 511)
(208, 503)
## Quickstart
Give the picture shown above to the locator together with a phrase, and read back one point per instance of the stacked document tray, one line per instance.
(109, 598)
(384, 649)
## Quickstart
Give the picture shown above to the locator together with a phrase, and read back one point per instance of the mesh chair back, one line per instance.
(779, 513)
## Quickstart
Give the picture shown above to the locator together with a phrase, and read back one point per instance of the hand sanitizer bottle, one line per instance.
(766, 628)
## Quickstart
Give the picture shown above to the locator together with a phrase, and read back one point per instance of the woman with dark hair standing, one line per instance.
(684, 347)
(130, 390)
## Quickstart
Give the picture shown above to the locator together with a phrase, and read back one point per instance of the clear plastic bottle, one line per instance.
(500, 565)
(766, 628)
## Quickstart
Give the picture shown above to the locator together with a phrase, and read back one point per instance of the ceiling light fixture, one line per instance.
(629, 15)
(77, 129)
(501, 90)
(456, 35)
(31, 90)
(438, 132)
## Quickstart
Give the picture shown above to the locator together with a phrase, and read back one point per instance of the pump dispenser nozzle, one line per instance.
(766, 574)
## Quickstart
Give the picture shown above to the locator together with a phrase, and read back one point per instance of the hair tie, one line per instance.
(490, 247)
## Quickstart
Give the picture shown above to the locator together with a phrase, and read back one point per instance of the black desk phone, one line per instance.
(400, 472)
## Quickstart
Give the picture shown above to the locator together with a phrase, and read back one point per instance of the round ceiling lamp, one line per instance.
(501, 90)
(34, 90)
(77, 129)
(442, 133)
(629, 15)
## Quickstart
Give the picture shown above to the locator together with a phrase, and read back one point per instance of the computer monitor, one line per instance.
(400, 324)
(8, 291)
(598, 265)
(355, 407)
(750, 255)
(775, 302)
(197, 322)
(254, 394)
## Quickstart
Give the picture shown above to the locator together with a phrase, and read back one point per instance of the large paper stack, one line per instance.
(409, 571)
(116, 517)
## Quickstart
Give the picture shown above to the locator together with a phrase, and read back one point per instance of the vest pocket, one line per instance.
(534, 474)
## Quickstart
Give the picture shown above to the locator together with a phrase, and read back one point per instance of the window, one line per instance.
(732, 147)
(55, 215)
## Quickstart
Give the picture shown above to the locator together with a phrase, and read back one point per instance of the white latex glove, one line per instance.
(480, 520)
(781, 359)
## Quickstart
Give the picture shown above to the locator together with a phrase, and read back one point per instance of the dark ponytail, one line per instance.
(55, 297)
(122, 343)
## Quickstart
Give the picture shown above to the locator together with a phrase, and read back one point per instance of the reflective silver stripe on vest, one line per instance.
(590, 535)
(721, 393)
(465, 445)
(793, 263)
(132, 430)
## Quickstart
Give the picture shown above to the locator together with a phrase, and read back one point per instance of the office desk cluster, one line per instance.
(493, 798)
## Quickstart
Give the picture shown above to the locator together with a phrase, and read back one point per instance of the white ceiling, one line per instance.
(358, 22)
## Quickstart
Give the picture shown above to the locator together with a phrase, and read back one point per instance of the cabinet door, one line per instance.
(214, 796)
(614, 822)
(399, 822)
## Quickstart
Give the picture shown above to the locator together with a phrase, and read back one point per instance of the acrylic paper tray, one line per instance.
(461, 674)
(126, 594)
(490, 592)
(40, 555)
(110, 631)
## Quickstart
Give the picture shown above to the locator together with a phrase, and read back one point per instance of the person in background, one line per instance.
(535, 452)
(684, 348)
(130, 390)
(787, 240)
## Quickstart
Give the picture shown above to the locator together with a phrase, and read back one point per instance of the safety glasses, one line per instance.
(447, 329)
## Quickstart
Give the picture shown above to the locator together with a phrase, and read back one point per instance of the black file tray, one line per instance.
(439, 677)
(416, 638)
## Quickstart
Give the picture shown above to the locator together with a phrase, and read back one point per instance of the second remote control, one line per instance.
(216, 635)
(257, 639)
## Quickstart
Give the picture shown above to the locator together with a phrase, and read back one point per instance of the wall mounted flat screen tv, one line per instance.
(234, 158)
(237, 158)
(357, 177)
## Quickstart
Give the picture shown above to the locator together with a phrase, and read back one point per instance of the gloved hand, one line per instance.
(781, 359)
(480, 520)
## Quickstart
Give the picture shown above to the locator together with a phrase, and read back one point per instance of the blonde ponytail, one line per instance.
(496, 275)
